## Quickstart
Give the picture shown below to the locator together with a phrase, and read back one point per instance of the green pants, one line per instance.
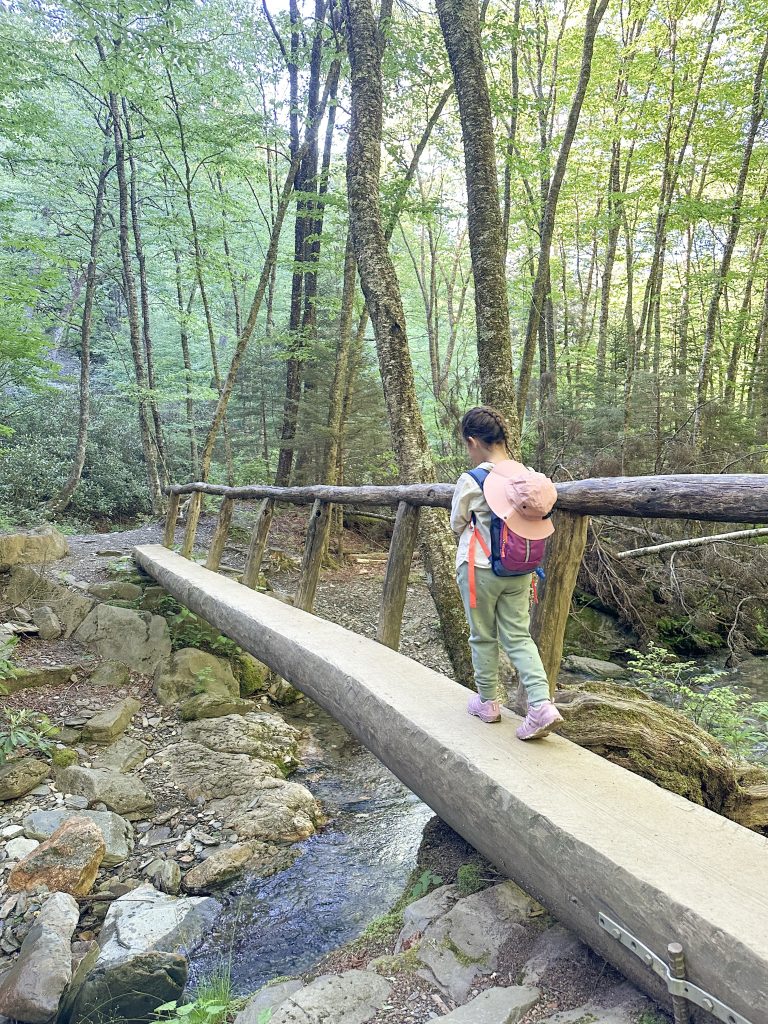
(502, 616)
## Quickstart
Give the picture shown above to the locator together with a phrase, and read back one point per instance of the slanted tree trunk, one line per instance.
(460, 24)
(62, 500)
(184, 312)
(382, 295)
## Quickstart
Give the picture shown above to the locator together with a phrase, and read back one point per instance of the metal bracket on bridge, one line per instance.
(677, 987)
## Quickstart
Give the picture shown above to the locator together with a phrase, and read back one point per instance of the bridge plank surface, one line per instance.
(580, 834)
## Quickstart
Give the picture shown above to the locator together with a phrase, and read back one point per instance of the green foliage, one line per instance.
(189, 630)
(63, 757)
(732, 717)
(426, 881)
(25, 731)
(7, 668)
(470, 879)
(211, 1005)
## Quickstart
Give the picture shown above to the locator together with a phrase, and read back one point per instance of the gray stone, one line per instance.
(107, 725)
(115, 591)
(31, 588)
(42, 544)
(620, 1005)
(110, 673)
(193, 672)
(257, 734)
(224, 866)
(268, 998)
(496, 1006)
(17, 849)
(75, 803)
(124, 794)
(11, 832)
(116, 831)
(466, 942)
(552, 946)
(136, 639)
(122, 755)
(165, 875)
(353, 997)
(420, 914)
(127, 990)
(19, 777)
(594, 667)
(28, 677)
(31, 990)
(47, 622)
(211, 705)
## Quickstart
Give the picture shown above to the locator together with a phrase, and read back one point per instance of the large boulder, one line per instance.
(19, 777)
(110, 673)
(31, 990)
(254, 858)
(353, 997)
(257, 734)
(145, 919)
(247, 793)
(136, 639)
(212, 705)
(123, 794)
(67, 861)
(32, 547)
(116, 832)
(30, 588)
(194, 672)
(465, 944)
(107, 725)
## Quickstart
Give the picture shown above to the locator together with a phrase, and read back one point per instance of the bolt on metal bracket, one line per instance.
(675, 986)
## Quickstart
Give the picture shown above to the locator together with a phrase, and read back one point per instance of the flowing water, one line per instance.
(345, 876)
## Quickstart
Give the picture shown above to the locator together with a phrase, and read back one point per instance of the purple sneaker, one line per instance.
(485, 710)
(539, 722)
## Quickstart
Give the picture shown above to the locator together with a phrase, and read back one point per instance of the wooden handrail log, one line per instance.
(725, 498)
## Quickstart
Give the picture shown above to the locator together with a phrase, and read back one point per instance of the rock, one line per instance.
(257, 859)
(121, 756)
(115, 591)
(110, 553)
(253, 675)
(193, 672)
(257, 734)
(145, 919)
(107, 725)
(620, 1005)
(466, 942)
(110, 673)
(552, 946)
(116, 832)
(594, 667)
(19, 777)
(270, 997)
(124, 794)
(136, 639)
(127, 990)
(152, 598)
(420, 914)
(209, 705)
(31, 990)
(353, 997)
(246, 792)
(47, 622)
(67, 861)
(165, 875)
(18, 849)
(43, 544)
(496, 1006)
(29, 587)
(21, 615)
(11, 832)
(75, 803)
(29, 677)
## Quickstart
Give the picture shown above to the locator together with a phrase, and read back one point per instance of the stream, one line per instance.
(348, 874)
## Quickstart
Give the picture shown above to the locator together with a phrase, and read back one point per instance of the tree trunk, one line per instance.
(184, 313)
(460, 24)
(382, 294)
(63, 499)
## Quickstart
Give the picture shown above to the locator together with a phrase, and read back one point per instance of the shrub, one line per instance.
(25, 731)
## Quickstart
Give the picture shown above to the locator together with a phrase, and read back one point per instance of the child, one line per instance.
(501, 603)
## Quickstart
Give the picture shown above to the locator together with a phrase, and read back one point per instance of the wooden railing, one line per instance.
(737, 498)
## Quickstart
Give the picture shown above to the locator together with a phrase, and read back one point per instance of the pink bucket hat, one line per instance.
(522, 498)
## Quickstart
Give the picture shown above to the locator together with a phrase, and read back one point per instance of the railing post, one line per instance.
(393, 595)
(258, 543)
(220, 536)
(193, 517)
(174, 500)
(565, 550)
(317, 536)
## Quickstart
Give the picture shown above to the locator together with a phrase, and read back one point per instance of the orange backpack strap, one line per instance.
(476, 538)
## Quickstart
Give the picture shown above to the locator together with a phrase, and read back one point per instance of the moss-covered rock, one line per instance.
(252, 675)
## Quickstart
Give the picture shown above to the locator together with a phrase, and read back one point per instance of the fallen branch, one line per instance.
(693, 542)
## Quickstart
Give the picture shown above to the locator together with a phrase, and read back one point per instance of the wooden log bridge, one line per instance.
(630, 867)
(736, 498)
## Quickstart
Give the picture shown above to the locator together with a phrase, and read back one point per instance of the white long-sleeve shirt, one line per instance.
(468, 498)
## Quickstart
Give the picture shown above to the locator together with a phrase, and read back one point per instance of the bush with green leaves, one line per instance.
(24, 731)
(727, 713)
